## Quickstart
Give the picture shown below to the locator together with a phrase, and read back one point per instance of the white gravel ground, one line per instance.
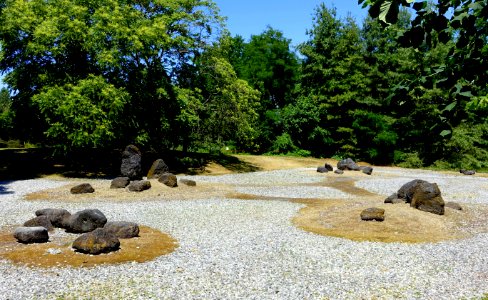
(233, 249)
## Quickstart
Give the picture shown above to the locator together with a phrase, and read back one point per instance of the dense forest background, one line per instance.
(406, 87)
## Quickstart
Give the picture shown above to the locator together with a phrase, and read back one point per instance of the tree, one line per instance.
(129, 50)
(6, 114)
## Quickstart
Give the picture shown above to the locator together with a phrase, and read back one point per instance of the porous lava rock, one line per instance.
(139, 185)
(85, 221)
(158, 168)
(188, 182)
(42, 221)
(56, 216)
(347, 164)
(120, 183)
(29, 235)
(373, 214)
(122, 229)
(131, 163)
(83, 188)
(168, 179)
(96, 242)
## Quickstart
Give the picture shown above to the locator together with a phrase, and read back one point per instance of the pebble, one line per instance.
(234, 249)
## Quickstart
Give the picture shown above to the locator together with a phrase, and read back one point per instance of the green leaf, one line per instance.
(445, 133)
(450, 106)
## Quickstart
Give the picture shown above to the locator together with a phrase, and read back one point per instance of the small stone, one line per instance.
(29, 235)
(367, 170)
(85, 221)
(328, 167)
(42, 221)
(467, 172)
(54, 251)
(188, 182)
(122, 230)
(57, 217)
(338, 171)
(120, 183)
(322, 170)
(83, 188)
(96, 242)
(373, 214)
(139, 185)
(168, 179)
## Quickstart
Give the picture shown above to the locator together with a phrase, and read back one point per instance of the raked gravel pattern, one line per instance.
(233, 249)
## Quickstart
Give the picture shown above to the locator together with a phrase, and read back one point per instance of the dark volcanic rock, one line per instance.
(58, 217)
(394, 199)
(168, 179)
(337, 171)
(373, 214)
(406, 191)
(96, 242)
(347, 164)
(120, 183)
(367, 170)
(29, 235)
(158, 168)
(139, 185)
(42, 221)
(467, 172)
(328, 167)
(427, 197)
(85, 221)
(322, 170)
(131, 163)
(188, 182)
(83, 188)
(122, 230)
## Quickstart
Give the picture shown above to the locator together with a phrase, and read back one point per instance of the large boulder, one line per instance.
(29, 235)
(122, 229)
(96, 242)
(158, 168)
(83, 188)
(42, 221)
(57, 217)
(373, 214)
(120, 183)
(85, 221)
(168, 179)
(347, 164)
(423, 195)
(131, 163)
(139, 185)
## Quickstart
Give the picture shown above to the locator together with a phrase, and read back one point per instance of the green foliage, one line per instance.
(408, 160)
(283, 144)
(6, 114)
(82, 115)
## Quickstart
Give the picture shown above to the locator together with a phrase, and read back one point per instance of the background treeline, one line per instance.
(102, 74)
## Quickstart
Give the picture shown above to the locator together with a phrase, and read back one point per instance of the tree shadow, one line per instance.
(4, 190)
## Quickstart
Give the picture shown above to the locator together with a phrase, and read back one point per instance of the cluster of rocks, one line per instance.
(132, 175)
(343, 165)
(97, 235)
(420, 194)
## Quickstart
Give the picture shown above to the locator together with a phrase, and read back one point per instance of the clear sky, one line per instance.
(292, 17)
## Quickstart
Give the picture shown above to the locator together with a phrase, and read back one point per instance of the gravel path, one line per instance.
(236, 249)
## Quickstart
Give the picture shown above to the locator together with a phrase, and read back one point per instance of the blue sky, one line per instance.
(292, 17)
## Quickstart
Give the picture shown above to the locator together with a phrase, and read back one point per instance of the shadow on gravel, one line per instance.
(18, 164)
(4, 189)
